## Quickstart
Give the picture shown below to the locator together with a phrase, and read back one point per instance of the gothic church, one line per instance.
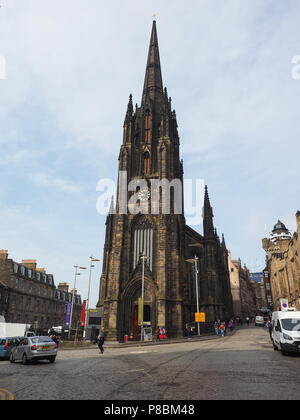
(150, 151)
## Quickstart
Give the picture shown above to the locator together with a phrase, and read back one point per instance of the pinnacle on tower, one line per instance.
(208, 225)
(129, 112)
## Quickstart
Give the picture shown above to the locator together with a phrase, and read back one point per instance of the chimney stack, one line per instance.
(29, 264)
(3, 254)
(63, 287)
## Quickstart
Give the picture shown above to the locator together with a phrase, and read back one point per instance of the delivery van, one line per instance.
(286, 331)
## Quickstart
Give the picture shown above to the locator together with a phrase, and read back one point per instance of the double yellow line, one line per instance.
(6, 395)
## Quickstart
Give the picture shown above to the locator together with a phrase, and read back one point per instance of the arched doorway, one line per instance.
(129, 319)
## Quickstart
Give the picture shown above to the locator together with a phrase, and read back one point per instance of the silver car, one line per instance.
(34, 348)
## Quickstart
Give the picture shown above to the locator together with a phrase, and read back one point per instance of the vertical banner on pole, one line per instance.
(68, 314)
(140, 312)
(82, 318)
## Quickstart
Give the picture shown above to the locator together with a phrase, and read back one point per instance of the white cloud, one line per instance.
(45, 180)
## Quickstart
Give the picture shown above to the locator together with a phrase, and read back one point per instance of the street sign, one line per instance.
(284, 304)
(199, 316)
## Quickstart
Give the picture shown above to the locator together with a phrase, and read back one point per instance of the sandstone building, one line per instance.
(29, 296)
(151, 152)
(243, 289)
(283, 264)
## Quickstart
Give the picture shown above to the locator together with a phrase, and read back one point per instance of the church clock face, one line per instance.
(144, 195)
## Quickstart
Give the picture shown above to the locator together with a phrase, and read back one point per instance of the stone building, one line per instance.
(243, 289)
(4, 300)
(283, 264)
(262, 290)
(150, 153)
(31, 295)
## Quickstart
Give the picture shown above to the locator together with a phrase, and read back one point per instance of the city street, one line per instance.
(242, 366)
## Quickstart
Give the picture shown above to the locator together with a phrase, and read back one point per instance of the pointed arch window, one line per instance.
(148, 128)
(147, 162)
(143, 244)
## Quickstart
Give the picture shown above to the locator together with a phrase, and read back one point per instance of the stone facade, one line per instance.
(283, 264)
(150, 152)
(32, 295)
(243, 289)
(4, 300)
(261, 296)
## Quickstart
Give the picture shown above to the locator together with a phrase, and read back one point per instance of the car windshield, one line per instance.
(37, 340)
(291, 324)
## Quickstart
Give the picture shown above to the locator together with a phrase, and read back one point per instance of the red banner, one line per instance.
(82, 318)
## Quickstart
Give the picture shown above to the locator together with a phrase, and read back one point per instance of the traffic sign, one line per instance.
(200, 317)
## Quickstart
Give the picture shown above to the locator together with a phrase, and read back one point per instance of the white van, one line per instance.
(286, 331)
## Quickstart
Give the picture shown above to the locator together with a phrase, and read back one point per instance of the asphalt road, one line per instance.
(239, 367)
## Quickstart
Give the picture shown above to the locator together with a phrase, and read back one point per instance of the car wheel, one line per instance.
(24, 359)
(52, 359)
(11, 358)
(283, 352)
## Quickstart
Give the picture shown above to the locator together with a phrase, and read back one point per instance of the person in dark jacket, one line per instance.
(101, 339)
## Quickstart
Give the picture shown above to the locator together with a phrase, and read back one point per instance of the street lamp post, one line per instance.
(77, 267)
(92, 260)
(195, 262)
(197, 290)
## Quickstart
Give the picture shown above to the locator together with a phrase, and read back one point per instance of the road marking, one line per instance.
(6, 395)
(143, 351)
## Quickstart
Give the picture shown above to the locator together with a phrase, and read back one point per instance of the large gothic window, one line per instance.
(148, 128)
(143, 243)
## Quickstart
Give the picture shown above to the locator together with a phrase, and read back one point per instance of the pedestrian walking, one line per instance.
(230, 325)
(188, 329)
(269, 326)
(101, 340)
(222, 329)
(248, 321)
(157, 332)
(216, 326)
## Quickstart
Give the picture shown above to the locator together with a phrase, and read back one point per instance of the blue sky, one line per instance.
(70, 68)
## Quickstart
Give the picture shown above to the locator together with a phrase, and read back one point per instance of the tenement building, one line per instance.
(283, 264)
(29, 295)
(151, 225)
(243, 289)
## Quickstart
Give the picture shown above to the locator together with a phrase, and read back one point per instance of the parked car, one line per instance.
(34, 348)
(260, 321)
(286, 331)
(6, 345)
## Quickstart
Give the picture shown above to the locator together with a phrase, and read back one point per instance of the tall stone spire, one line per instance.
(153, 85)
(208, 224)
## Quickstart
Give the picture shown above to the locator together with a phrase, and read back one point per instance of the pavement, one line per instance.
(115, 344)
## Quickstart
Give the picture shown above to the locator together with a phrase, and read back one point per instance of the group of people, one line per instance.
(221, 327)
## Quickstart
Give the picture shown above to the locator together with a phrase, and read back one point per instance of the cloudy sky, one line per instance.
(70, 67)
